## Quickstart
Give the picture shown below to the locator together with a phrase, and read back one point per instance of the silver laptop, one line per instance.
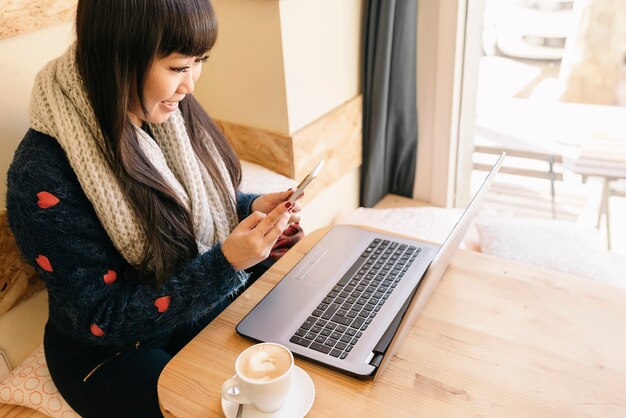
(349, 302)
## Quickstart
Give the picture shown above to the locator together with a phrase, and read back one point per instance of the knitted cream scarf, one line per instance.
(61, 109)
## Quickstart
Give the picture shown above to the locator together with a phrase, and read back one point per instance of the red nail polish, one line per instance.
(288, 205)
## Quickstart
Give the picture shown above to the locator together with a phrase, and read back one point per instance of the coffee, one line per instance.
(263, 377)
(264, 362)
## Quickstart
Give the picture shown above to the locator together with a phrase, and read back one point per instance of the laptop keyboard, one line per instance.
(347, 310)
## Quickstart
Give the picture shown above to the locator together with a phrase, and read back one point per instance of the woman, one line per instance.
(124, 197)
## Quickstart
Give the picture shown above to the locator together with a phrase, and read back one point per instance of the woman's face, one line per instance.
(168, 80)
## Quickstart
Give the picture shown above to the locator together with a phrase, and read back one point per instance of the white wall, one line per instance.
(280, 65)
(243, 81)
(22, 56)
(322, 50)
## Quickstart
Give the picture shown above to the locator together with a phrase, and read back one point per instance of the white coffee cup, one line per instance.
(263, 377)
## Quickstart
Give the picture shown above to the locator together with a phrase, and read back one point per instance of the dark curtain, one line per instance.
(389, 99)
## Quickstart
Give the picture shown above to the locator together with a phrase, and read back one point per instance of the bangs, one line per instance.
(189, 28)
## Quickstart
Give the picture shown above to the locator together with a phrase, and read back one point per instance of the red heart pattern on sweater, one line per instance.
(46, 200)
(44, 263)
(96, 330)
(162, 303)
(110, 277)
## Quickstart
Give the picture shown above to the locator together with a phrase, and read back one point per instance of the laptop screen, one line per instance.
(438, 266)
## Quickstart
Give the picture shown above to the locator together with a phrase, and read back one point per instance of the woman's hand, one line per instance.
(251, 241)
(267, 202)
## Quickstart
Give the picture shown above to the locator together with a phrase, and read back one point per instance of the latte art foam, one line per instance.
(264, 362)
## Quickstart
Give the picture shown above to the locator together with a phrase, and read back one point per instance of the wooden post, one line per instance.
(594, 52)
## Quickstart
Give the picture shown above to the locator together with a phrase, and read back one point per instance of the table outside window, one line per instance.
(603, 157)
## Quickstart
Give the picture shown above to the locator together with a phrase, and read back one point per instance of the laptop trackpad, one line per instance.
(309, 272)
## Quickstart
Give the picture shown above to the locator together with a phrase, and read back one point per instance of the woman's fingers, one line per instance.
(285, 195)
(252, 221)
(297, 206)
(251, 241)
(274, 233)
(275, 221)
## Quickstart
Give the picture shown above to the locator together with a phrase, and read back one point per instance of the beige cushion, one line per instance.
(31, 386)
(258, 179)
(557, 245)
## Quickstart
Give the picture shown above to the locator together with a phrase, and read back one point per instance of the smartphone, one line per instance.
(307, 180)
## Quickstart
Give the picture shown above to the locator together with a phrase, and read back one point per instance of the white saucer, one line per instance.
(299, 401)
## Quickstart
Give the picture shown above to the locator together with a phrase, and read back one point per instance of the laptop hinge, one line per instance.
(383, 344)
(376, 359)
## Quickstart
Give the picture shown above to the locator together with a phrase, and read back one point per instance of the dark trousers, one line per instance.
(124, 384)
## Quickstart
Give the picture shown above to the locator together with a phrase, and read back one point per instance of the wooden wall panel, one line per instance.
(335, 137)
(268, 149)
(21, 16)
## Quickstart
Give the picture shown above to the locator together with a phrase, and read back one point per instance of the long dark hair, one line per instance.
(116, 43)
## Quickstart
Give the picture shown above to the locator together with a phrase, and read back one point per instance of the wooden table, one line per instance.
(603, 157)
(495, 339)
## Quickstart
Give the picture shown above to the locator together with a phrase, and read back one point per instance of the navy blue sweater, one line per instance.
(58, 232)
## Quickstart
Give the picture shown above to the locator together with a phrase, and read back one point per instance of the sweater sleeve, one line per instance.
(244, 204)
(90, 300)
